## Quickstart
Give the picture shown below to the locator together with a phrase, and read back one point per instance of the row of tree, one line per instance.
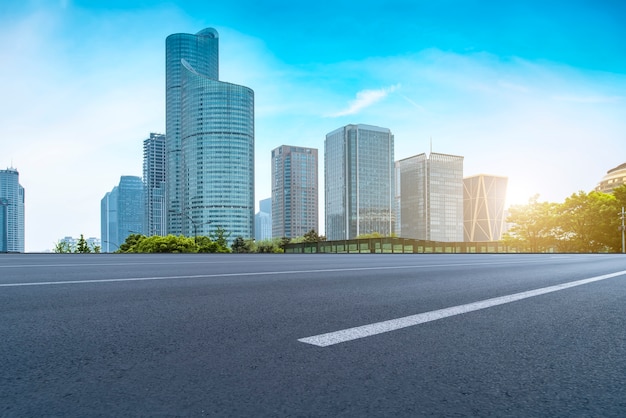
(583, 223)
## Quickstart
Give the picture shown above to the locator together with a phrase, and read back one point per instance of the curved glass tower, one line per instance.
(209, 141)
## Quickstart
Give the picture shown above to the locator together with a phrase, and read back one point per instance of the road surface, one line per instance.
(312, 335)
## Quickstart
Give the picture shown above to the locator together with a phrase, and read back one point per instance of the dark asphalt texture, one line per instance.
(217, 335)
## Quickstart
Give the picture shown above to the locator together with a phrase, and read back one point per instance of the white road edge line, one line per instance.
(349, 334)
(255, 273)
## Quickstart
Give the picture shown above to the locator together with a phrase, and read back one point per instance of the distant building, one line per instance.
(263, 221)
(431, 197)
(11, 212)
(154, 180)
(615, 177)
(483, 207)
(359, 185)
(122, 213)
(72, 243)
(294, 191)
(209, 141)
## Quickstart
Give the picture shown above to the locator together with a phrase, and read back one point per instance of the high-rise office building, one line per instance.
(359, 185)
(484, 197)
(294, 191)
(154, 180)
(11, 212)
(431, 197)
(122, 213)
(209, 141)
(263, 220)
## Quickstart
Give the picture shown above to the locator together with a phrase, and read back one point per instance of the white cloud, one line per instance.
(366, 98)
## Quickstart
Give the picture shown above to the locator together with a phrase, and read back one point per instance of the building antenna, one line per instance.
(431, 144)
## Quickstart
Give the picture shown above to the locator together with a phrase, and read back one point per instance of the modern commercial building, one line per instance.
(11, 212)
(359, 182)
(263, 221)
(615, 177)
(209, 141)
(431, 197)
(154, 180)
(122, 213)
(484, 198)
(294, 191)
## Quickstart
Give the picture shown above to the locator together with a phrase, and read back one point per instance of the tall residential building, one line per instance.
(431, 197)
(294, 191)
(263, 220)
(122, 213)
(11, 212)
(209, 141)
(483, 207)
(154, 181)
(359, 182)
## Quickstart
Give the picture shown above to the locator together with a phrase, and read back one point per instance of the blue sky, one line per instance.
(531, 90)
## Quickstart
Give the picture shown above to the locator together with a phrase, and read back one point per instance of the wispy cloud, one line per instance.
(589, 99)
(365, 98)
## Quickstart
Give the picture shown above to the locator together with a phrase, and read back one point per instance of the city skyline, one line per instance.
(533, 92)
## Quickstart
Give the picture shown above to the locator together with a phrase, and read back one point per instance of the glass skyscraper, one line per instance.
(122, 213)
(11, 212)
(209, 141)
(154, 181)
(431, 197)
(483, 212)
(263, 220)
(294, 191)
(359, 182)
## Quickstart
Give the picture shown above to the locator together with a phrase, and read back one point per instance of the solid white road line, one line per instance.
(332, 338)
(260, 273)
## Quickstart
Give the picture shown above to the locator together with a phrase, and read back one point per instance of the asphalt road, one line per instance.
(274, 335)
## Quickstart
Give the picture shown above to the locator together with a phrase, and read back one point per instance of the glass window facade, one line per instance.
(209, 141)
(359, 182)
(122, 213)
(154, 179)
(483, 207)
(294, 191)
(11, 212)
(431, 197)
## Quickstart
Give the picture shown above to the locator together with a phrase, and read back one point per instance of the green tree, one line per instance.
(63, 247)
(589, 223)
(128, 246)
(82, 247)
(534, 226)
(311, 236)
(283, 242)
(220, 236)
(240, 245)
(269, 246)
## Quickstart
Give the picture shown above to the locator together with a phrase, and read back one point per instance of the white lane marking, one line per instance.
(259, 273)
(349, 334)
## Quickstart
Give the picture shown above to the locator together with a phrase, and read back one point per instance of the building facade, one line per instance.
(294, 191)
(263, 221)
(122, 213)
(11, 212)
(154, 180)
(359, 182)
(615, 177)
(209, 141)
(431, 197)
(484, 197)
